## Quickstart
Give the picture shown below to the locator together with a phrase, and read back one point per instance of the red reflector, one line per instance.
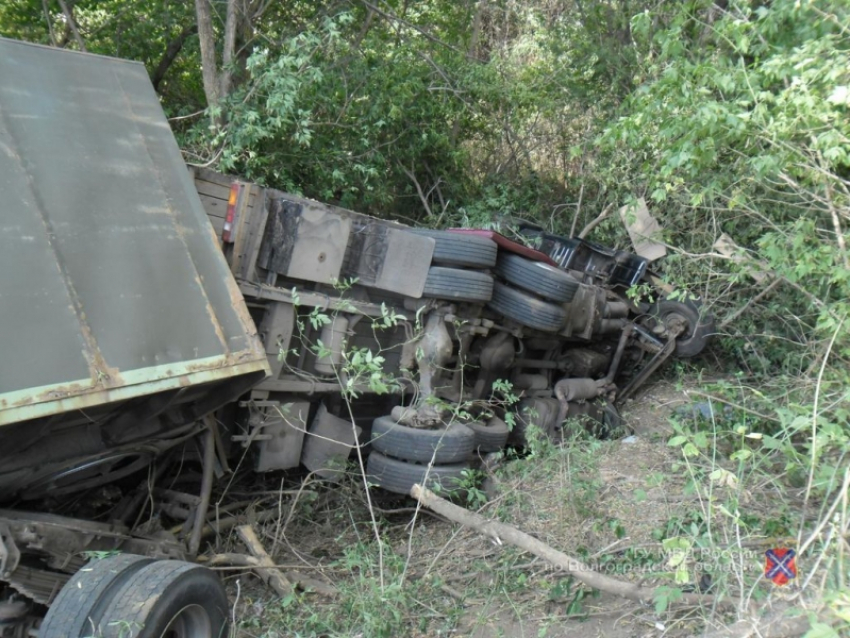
(227, 231)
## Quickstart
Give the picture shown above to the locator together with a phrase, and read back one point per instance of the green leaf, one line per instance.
(741, 455)
(659, 195)
(821, 630)
(690, 450)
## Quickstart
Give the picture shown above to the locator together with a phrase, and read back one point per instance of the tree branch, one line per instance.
(410, 25)
(595, 222)
(72, 24)
(53, 41)
(171, 52)
(502, 532)
(422, 197)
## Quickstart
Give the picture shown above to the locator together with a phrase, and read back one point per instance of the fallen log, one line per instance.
(265, 569)
(502, 532)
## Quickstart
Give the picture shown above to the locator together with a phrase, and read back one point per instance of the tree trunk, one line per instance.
(478, 10)
(229, 48)
(208, 61)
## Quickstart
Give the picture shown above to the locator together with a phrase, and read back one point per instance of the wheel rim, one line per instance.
(675, 320)
(192, 621)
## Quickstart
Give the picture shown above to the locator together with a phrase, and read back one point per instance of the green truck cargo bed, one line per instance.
(112, 284)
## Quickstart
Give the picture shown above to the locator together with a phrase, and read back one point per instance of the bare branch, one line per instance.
(53, 41)
(595, 222)
(72, 24)
(422, 197)
(754, 300)
(391, 16)
(578, 211)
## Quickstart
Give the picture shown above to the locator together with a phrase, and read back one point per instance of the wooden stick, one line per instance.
(240, 560)
(752, 301)
(266, 569)
(502, 532)
(302, 581)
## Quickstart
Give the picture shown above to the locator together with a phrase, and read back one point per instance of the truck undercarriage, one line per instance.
(339, 331)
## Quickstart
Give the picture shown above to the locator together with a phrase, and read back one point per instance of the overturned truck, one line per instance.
(157, 319)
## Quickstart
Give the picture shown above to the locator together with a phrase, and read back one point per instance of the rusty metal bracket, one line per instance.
(640, 378)
(618, 355)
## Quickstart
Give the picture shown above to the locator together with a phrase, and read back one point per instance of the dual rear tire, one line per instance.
(403, 456)
(526, 310)
(533, 293)
(128, 596)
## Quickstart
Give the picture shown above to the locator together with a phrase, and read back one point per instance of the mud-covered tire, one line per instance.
(527, 310)
(460, 249)
(537, 277)
(458, 285)
(700, 325)
(165, 597)
(398, 476)
(79, 606)
(491, 436)
(450, 445)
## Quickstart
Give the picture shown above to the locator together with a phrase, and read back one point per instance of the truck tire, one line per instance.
(398, 476)
(460, 249)
(490, 437)
(460, 285)
(168, 598)
(450, 445)
(79, 606)
(527, 310)
(537, 277)
(700, 327)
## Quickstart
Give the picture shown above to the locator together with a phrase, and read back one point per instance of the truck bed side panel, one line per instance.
(110, 276)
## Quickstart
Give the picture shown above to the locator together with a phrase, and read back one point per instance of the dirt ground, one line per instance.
(605, 503)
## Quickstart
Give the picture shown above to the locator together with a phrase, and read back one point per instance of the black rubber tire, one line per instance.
(537, 277)
(164, 592)
(450, 445)
(527, 310)
(460, 249)
(79, 606)
(490, 437)
(459, 285)
(397, 476)
(700, 326)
